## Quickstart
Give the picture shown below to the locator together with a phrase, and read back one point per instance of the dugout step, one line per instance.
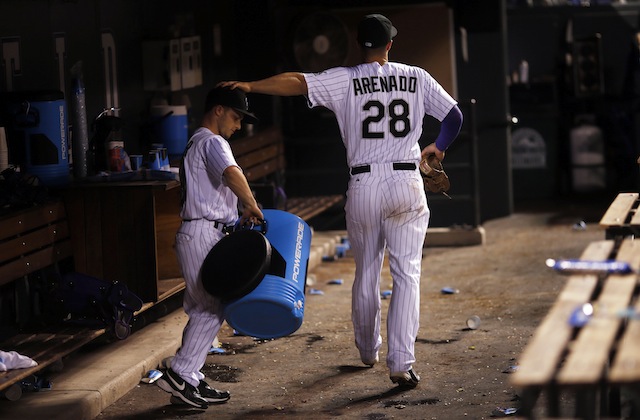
(455, 236)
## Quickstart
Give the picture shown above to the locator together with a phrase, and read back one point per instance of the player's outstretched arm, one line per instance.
(283, 84)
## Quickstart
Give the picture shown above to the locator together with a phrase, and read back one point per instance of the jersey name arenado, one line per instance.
(379, 109)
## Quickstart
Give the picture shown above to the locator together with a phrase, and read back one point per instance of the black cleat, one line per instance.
(183, 391)
(405, 379)
(212, 395)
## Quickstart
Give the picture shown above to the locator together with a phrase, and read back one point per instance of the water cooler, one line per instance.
(171, 128)
(269, 281)
(37, 134)
(275, 308)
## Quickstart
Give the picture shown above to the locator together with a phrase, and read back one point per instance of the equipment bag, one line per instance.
(94, 302)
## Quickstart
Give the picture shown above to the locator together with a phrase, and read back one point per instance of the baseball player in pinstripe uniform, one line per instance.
(380, 107)
(212, 183)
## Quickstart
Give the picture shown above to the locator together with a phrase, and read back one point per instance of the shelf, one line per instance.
(126, 232)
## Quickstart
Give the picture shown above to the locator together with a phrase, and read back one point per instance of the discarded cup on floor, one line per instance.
(152, 376)
(473, 323)
(449, 291)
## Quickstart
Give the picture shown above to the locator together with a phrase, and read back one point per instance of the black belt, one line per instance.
(397, 166)
(221, 227)
(218, 225)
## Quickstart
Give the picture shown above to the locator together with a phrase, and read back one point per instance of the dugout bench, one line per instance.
(262, 159)
(31, 240)
(594, 361)
(622, 218)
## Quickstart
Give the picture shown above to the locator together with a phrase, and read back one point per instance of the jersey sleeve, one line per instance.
(219, 157)
(437, 101)
(327, 88)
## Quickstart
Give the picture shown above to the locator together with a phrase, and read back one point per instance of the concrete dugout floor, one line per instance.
(316, 372)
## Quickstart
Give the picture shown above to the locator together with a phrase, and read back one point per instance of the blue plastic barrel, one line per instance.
(275, 308)
(171, 128)
(41, 117)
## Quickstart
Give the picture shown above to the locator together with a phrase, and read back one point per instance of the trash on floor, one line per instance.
(151, 376)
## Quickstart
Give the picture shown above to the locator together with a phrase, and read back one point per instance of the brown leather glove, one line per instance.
(435, 178)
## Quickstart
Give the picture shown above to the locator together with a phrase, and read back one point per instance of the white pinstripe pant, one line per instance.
(387, 207)
(194, 240)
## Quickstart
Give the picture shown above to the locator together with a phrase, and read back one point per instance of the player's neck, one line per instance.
(382, 60)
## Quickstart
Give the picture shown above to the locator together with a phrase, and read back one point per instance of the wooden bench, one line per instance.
(262, 158)
(32, 240)
(622, 218)
(593, 361)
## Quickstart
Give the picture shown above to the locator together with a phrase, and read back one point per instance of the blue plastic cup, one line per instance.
(136, 162)
(154, 160)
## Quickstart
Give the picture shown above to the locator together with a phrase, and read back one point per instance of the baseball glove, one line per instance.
(435, 178)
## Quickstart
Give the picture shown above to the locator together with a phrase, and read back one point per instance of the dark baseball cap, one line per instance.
(375, 31)
(233, 98)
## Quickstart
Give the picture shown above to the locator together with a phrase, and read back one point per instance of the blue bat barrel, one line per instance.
(275, 308)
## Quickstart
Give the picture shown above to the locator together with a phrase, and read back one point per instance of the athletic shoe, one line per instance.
(371, 362)
(405, 379)
(211, 395)
(172, 383)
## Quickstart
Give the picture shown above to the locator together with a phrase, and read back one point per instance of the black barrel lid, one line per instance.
(236, 264)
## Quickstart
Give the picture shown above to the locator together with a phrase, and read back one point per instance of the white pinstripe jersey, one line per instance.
(208, 197)
(379, 109)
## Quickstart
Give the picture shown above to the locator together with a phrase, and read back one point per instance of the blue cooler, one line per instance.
(275, 308)
(171, 128)
(39, 119)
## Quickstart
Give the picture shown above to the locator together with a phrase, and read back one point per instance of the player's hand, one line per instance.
(244, 86)
(432, 149)
(251, 214)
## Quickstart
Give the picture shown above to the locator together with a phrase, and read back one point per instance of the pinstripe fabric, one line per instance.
(208, 199)
(341, 90)
(380, 109)
(207, 196)
(193, 242)
(387, 208)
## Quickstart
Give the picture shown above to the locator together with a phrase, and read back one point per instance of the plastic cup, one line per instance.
(136, 162)
(473, 323)
(154, 160)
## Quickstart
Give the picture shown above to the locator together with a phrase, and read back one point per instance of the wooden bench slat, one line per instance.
(541, 356)
(590, 351)
(258, 156)
(265, 168)
(30, 219)
(308, 207)
(45, 349)
(266, 137)
(538, 362)
(31, 240)
(262, 155)
(626, 364)
(635, 218)
(35, 261)
(585, 365)
(617, 212)
(25, 244)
